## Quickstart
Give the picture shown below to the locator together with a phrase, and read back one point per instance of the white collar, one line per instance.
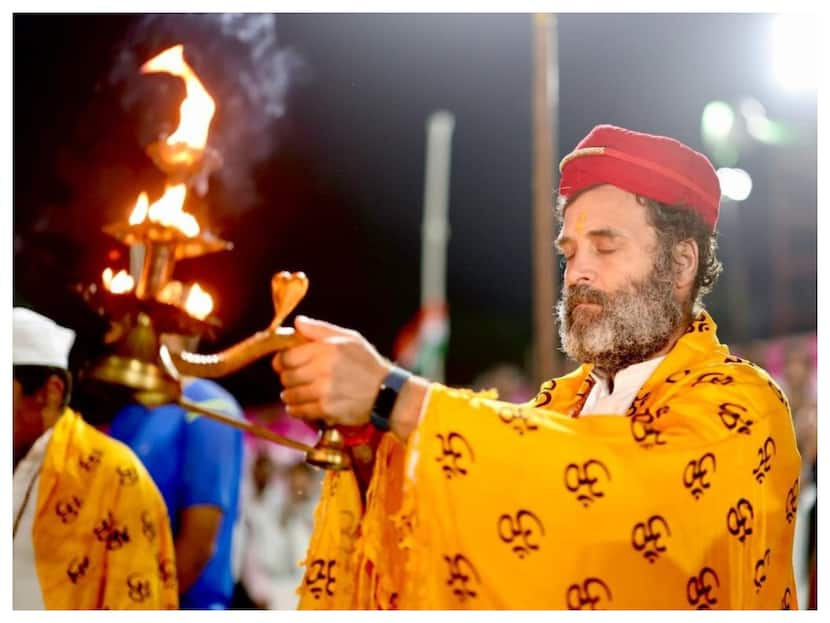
(634, 375)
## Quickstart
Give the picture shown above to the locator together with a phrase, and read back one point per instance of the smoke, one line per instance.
(241, 62)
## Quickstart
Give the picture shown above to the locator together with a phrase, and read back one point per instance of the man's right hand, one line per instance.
(335, 377)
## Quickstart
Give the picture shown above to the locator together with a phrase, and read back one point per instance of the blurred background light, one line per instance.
(718, 120)
(794, 50)
(719, 132)
(759, 126)
(735, 184)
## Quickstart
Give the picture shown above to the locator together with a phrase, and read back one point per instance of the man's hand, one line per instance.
(334, 377)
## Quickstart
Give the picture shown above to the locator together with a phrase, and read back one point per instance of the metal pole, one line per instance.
(545, 276)
(436, 226)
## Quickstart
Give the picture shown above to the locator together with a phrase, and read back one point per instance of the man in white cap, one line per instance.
(90, 527)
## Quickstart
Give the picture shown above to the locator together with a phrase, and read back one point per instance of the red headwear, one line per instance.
(656, 167)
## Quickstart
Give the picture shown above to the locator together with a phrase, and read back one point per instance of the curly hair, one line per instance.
(673, 224)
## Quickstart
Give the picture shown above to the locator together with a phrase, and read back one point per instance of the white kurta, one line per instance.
(627, 384)
(26, 593)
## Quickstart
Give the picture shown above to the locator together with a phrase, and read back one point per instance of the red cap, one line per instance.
(656, 167)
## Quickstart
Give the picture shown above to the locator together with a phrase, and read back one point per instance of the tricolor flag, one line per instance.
(421, 346)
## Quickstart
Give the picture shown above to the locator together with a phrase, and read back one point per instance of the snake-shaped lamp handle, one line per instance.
(287, 290)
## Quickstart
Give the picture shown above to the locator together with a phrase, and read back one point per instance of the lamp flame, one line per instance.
(119, 283)
(196, 111)
(139, 212)
(166, 211)
(198, 303)
(171, 293)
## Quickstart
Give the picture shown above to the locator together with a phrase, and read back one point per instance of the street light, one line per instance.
(794, 50)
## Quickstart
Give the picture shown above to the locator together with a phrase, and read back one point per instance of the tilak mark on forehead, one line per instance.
(580, 221)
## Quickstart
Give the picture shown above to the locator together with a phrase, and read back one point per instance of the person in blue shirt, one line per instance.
(196, 464)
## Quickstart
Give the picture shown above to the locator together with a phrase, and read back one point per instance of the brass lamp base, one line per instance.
(151, 386)
(330, 451)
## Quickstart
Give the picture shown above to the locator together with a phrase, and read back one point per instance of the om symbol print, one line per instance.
(138, 587)
(127, 475)
(586, 480)
(791, 505)
(320, 571)
(462, 577)
(91, 461)
(646, 535)
(68, 509)
(77, 569)
(761, 567)
(765, 453)
(518, 419)
(643, 428)
(587, 595)
(734, 416)
(739, 519)
(108, 532)
(700, 589)
(454, 450)
(696, 472)
(525, 525)
(714, 378)
(545, 395)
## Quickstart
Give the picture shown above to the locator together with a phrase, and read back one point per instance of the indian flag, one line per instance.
(421, 346)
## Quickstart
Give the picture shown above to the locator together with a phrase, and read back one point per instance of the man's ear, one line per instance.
(685, 259)
(54, 391)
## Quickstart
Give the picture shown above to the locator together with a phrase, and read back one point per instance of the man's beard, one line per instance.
(631, 325)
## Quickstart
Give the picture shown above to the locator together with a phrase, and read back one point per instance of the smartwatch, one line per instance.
(388, 394)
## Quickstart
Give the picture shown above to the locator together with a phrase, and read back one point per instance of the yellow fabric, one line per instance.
(101, 533)
(687, 502)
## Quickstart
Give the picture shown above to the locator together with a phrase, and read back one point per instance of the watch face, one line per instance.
(385, 402)
(380, 424)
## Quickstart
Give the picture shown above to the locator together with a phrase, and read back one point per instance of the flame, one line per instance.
(167, 211)
(139, 212)
(197, 109)
(198, 302)
(120, 283)
(171, 293)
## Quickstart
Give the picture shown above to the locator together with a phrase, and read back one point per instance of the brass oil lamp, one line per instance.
(141, 310)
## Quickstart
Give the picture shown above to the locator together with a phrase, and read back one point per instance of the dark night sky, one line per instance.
(334, 186)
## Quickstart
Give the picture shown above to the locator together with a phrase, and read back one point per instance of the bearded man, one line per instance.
(660, 474)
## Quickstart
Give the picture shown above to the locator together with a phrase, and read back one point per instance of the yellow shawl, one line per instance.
(101, 533)
(688, 502)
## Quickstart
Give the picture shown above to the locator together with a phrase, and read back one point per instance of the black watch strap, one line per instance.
(387, 395)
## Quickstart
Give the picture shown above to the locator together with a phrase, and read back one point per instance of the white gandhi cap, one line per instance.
(39, 341)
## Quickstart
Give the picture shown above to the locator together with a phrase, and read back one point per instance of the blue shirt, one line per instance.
(193, 461)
